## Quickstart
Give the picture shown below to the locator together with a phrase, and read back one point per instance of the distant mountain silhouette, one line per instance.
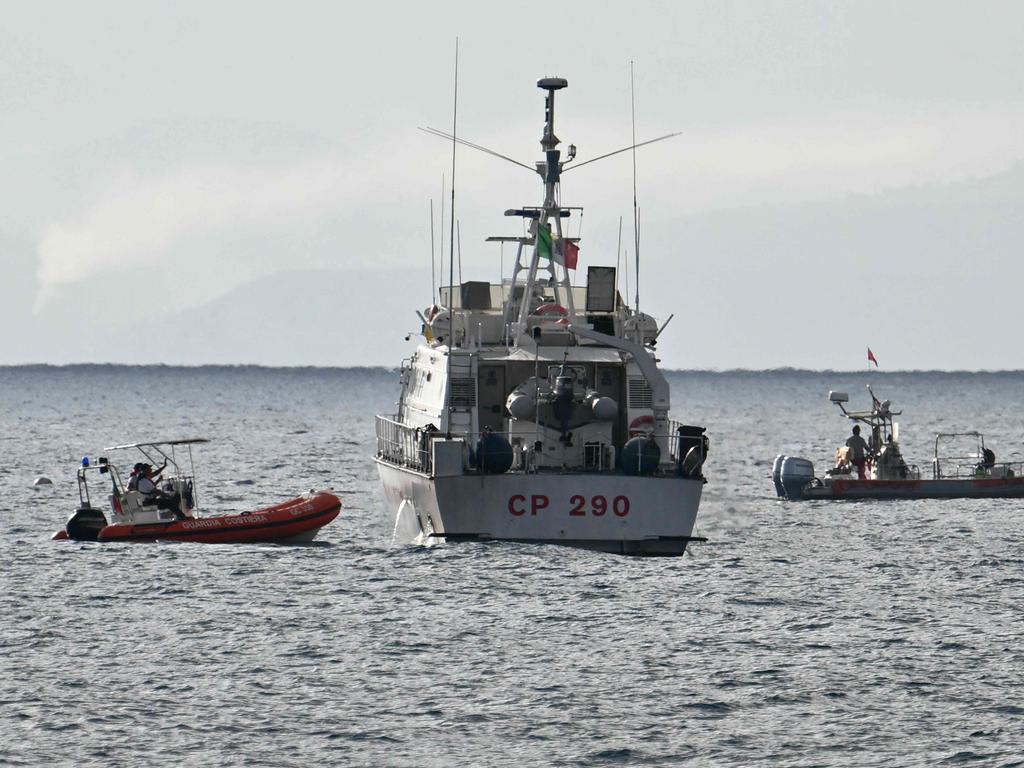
(322, 317)
(927, 276)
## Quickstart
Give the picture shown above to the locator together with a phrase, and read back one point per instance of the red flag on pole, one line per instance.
(871, 357)
(571, 253)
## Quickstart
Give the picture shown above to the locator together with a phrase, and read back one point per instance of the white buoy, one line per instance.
(43, 480)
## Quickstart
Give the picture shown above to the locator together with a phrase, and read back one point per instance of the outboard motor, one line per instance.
(85, 524)
(777, 475)
(795, 474)
(562, 405)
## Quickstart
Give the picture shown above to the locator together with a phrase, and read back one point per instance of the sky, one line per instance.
(196, 183)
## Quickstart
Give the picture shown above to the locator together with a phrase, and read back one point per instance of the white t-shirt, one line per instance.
(146, 486)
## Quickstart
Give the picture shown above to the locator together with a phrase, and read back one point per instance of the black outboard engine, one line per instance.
(693, 450)
(562, 405)
(85, 524)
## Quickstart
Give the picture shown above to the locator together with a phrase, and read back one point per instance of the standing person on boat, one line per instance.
(146, 485)
(858, 452)
(139, 471)
(133, 481)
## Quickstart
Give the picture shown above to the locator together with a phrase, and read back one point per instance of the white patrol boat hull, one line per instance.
(604, 512)
(534, 410)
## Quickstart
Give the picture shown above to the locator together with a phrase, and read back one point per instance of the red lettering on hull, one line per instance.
(576, 506)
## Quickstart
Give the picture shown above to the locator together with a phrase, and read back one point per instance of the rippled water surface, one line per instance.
(842, 634)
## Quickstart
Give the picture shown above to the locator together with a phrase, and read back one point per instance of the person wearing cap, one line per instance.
(146, 485)
(141, 470)
(133, 480)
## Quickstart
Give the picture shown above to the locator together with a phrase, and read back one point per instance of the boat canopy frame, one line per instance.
(981, 457)
(165, 449)
(879, 419)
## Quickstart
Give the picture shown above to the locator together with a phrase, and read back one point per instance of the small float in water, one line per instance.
(962, 466)
(170, 510)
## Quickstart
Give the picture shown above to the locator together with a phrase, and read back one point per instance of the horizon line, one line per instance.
(263, 366)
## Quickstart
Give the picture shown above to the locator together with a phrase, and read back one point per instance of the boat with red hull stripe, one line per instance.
(963, 467)
(162, 504)
(946, 488)
(296, 520)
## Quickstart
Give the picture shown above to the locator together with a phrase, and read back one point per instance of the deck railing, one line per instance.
(404, 445)
(410, 447)
(673, 439)
(585, 456)
(973, 467)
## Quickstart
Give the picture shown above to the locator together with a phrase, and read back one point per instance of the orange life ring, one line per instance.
(641, 425)
(551, 309)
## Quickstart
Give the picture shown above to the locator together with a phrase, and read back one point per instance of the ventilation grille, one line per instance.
(464, 393)
(640, 394)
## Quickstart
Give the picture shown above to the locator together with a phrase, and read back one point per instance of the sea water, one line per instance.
(815, 633)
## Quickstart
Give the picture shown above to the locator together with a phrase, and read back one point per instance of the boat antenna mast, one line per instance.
(433, 259)
(636, 211)
(618, 257)
(451, 260)
(440, 248)
(550, 170)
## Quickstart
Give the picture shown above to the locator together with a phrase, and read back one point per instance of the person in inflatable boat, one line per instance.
(151, 494)
(133, 480)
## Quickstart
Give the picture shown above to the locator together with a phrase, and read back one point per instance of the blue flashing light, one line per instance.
(85, 461)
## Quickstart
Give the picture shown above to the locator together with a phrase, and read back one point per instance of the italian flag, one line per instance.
(563, 252)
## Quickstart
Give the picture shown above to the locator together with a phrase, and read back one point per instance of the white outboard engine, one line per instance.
(794, 475)
(777, 475)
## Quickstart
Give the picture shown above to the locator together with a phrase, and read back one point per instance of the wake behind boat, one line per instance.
(962, 466)
(163, 505)
(535, 411)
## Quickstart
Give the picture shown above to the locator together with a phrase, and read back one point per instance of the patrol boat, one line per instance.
(962, 466)
(172, 512)
(534, 411)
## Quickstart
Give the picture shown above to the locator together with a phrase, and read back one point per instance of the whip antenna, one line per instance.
(433, 281)
(451, 255)
(443, 135)
(618, 257)
(440, 249)
(636, 214)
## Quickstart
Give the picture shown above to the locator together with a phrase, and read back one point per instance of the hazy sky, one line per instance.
(244, 182)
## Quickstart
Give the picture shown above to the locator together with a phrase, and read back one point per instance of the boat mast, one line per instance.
(451, 264)
(433, 260)
(550, 170)
(636, 212)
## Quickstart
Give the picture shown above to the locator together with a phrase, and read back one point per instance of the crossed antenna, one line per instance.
(443, 135)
